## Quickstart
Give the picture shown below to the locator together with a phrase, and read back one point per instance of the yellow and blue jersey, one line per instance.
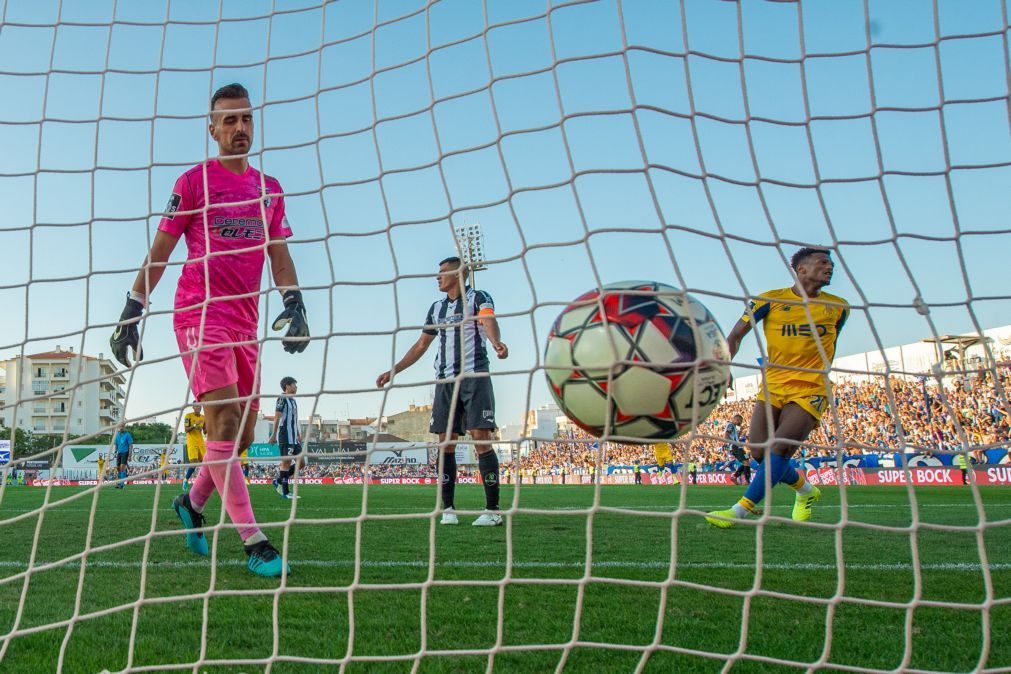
(793, 335)
(195, 445)
(664, 453)
(194, 427)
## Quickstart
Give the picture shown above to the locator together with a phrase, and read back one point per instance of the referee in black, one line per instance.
(462, 322)
(286, 435)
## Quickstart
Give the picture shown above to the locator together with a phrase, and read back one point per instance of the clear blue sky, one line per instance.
(98, 122)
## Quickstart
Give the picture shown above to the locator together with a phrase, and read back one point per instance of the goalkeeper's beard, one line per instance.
(235, 149)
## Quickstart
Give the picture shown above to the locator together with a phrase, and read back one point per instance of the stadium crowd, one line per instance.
(967, 410)
(345, 470)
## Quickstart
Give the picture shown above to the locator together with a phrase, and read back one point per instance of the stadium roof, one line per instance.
(968, 340)
(963, 342)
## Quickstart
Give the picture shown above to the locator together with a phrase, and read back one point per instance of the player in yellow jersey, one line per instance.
(195, 444)
(663, 452)
(801, 325)
(163, 464)
(244, 461)
(101, 468)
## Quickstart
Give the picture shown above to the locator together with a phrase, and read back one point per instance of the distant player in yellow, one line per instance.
(664, 454)
(101, 467)
(244, 460)
(195, 444)
(163, 463)
(801, 326)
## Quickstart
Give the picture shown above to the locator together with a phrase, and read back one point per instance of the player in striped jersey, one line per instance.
(286, 435)
(462, 322)
(735, 447)
(801, 325)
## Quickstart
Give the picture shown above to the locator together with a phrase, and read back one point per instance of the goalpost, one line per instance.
(696, 143)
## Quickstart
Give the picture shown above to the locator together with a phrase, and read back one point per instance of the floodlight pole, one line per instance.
(470, 243)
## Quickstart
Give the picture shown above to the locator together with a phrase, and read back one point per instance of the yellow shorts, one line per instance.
(195, 452)
(812, 401)
(244, 456)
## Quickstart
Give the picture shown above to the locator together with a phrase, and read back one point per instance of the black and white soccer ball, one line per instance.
(637, 361)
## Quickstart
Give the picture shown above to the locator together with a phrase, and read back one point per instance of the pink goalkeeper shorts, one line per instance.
(210, 366)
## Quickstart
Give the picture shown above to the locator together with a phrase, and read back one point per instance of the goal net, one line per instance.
(558, 147)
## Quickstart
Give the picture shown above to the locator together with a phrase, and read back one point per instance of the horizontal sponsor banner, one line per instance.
(922, 475)
(711, 478)
(85, 457)
(389, 454)
(828, 476)
(939, 476)
(259, 481)
(263, 450)
(993, 475)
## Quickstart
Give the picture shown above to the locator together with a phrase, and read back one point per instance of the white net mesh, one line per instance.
(696, 143)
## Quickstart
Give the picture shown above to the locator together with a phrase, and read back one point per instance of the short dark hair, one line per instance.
(233, 90)
(804, 253)
(286, 381)
(456, 263)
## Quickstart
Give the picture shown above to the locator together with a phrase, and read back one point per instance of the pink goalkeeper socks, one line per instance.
(228, 480)
(203, 487)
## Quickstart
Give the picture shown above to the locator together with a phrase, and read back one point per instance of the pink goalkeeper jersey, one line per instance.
(232, 233)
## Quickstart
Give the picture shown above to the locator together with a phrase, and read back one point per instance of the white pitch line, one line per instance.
(420, 564)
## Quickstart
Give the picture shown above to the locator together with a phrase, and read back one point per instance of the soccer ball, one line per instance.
(640, 360)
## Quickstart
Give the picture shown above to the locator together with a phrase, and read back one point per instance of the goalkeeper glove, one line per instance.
(127, 334)
(297, 337)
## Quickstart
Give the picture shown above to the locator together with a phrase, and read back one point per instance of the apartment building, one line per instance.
(59, 391)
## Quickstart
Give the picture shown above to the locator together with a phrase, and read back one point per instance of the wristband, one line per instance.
(138, 297)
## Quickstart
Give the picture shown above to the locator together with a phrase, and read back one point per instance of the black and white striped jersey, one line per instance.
(460, 337)
(287, 422)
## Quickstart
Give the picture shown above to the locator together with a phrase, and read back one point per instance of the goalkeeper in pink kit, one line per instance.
(216, 312)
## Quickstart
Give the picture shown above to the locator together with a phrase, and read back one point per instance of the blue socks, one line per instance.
(790, 475)
(779, 469)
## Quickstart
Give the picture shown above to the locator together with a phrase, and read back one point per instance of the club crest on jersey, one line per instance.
(173, 205)
(266, 197)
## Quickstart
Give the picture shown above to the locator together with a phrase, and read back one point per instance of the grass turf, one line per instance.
(363, 592)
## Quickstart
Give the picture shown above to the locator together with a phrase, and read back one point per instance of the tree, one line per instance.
(143, 434)
(150, 434)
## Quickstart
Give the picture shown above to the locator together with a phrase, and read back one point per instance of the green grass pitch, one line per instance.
(364, 595)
